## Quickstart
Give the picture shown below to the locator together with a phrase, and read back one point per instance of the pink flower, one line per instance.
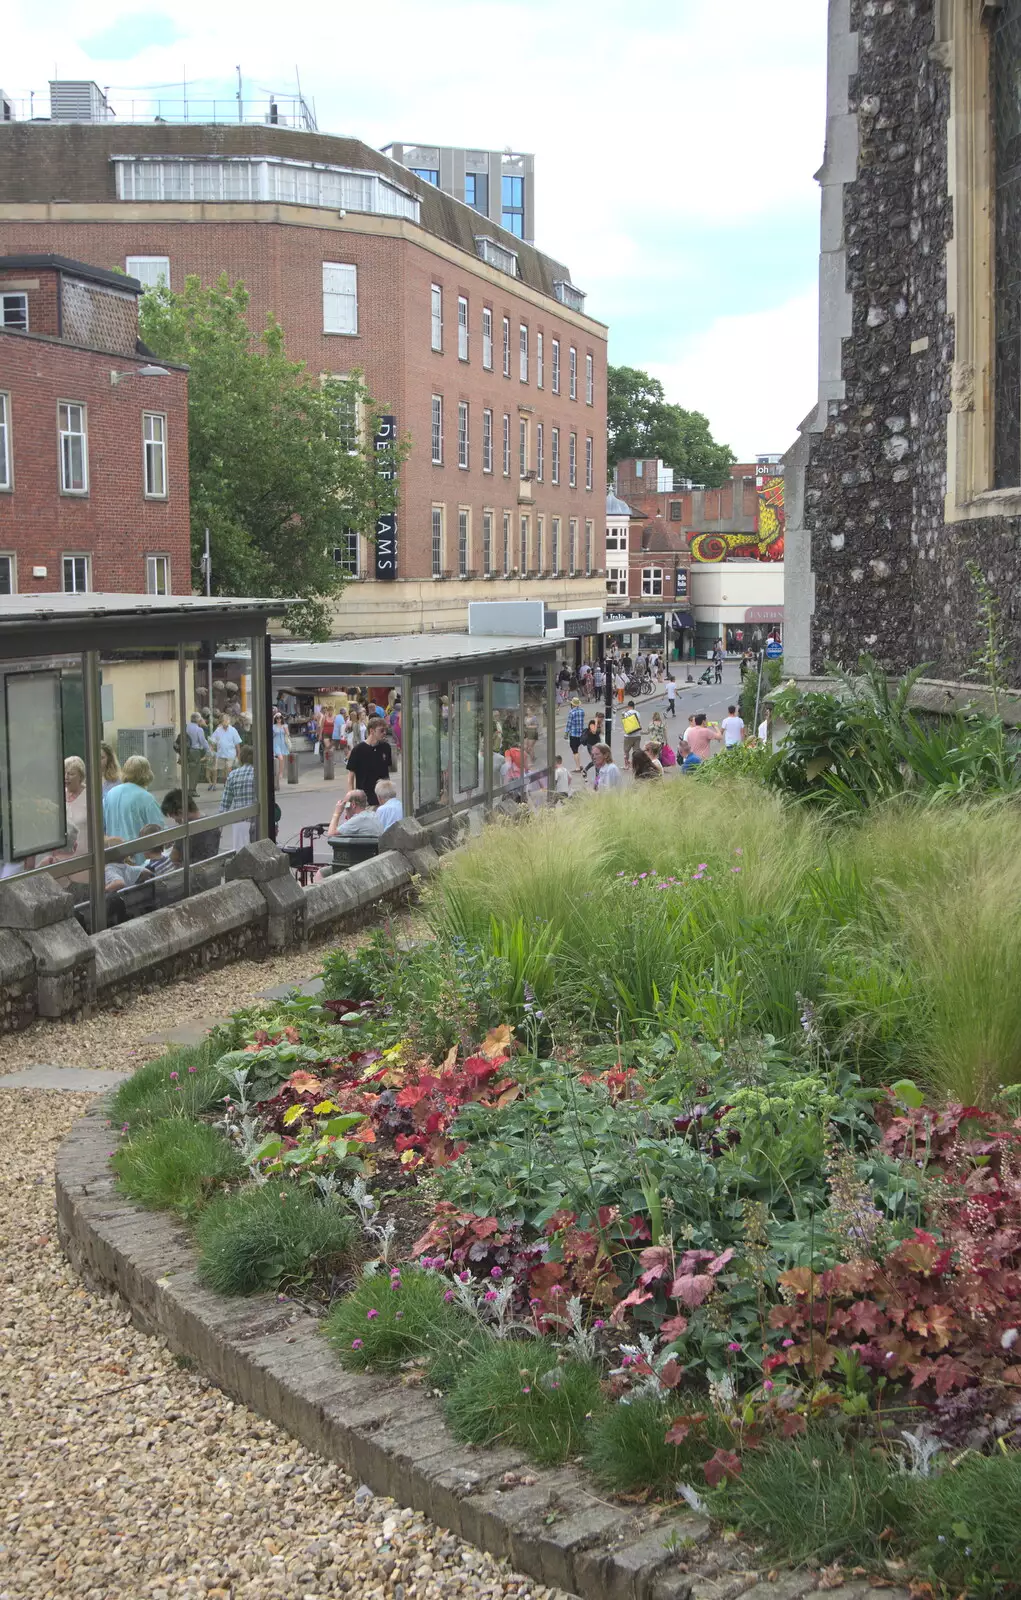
(173, 1077)
(193, 1069)
(370, 1316)
(735, 869)
(768, 1385)
(496, 1272)
(464, 1277)
(788, 1344)
(449, 1295)
(490, 1294)
(599, 1323)
(356, 1344)
(733, 1345)
(526, 1388)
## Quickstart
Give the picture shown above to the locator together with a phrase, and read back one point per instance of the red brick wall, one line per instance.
(114, 523)
(281, 266)
(42, 290)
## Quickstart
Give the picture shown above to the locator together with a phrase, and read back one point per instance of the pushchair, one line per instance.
(707, 675)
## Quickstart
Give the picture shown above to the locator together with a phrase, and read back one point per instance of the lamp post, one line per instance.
(148, 371)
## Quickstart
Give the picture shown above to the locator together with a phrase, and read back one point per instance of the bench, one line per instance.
(348, 852)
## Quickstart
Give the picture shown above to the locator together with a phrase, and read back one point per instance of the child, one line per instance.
(657, 728)
(157, 860)
(561, 782)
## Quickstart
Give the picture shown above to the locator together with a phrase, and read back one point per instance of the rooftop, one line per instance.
(73, 269)
(405, 652)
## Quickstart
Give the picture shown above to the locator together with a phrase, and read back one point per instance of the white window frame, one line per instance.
(11, 559)
(590, 451)
(463, 440)
(590, 380)
(524, 531)
(590, 540)
(76, 555)
(540, 536)
(617, 580)
(436, 316)
(438, 532)
(487, 338)
(506, 544)
(347, 556)
(523, 352)
(506, 444)
(436, 429)
(652, 582)
(572, 546)
(340, 299)
(539, 365)
(554, 474)
(9, 301)
(64, 437)
(154, 566)
(152, 272)
(572, 460)
(554, 552)
(464, 534)
(572, 372)
(6, 443)
(487, 440)
(154, 455)
(555, 366)
(462, 328)
(487, 543)
(540, 441)
(522, 447)
(506, 347)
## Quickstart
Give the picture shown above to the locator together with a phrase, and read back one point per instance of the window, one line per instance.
(506, 544)
(74, 449)
(280, 179)
(154, 447)
(539, 463)
(6, 469)
(427, 175)
(522, 448)
(76, 574)
(349, 435)
(506, 445)
(555, 360)
(616, 580)
(487, 542)
(555, 546)
(462, 542)
(157, 574)
(476, 191)
(522, 544)
(462, 434)
(437, 429)
(555, 454)
(340, 298)
(589, 448)
(539, 373)
(437, 542)
(652, 580)
(152, 272)
(523, 353)
(487, 441)
(616, 538)
(495, 255)
(572, 372)
(437, 316)
(14, 311)
(568, 295)
(345, 554)
(462, 328)
(589, 532)
(675, 511)
(8, 575)
(487, 338)
(506, 347)
(590, 381)
(572, 460)
(572, 547)
(540, 529)
(512, 195)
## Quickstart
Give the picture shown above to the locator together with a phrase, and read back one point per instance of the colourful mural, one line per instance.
(764, 545)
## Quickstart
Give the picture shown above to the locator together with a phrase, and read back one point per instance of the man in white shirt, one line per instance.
(390, 808)
(671, 696)
(733, 729)
(561, 781)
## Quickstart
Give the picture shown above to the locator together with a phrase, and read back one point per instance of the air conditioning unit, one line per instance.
(157, 746)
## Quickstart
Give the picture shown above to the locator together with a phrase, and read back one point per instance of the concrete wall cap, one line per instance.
(33, 902)
(59, 947)
(259, 862)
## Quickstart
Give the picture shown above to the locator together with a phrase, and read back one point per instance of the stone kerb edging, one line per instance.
(547, 1523)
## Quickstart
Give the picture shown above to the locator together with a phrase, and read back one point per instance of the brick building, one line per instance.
(93, 448)
(655, 491)
(474, 341)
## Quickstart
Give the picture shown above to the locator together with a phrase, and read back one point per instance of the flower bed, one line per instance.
(555, 1165)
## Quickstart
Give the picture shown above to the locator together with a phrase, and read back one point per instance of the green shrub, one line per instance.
(385, 1321)
(183, 1083)
(818, 1498)
(967, 1532)
(175, 1165)
(628, 1450)
(263, 1236)
(524, 1393)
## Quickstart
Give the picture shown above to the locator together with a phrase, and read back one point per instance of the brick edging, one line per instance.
(271, 1356)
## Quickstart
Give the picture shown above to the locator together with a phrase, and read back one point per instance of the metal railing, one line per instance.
(284, 111)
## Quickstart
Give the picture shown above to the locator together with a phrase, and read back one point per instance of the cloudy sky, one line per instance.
(675, 142)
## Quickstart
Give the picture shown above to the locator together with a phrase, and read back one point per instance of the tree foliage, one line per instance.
(642, 422)
(274, 477)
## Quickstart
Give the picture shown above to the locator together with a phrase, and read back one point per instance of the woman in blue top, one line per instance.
(128, 806)
(281, 745)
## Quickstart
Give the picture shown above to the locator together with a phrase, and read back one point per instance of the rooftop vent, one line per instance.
(78, 102)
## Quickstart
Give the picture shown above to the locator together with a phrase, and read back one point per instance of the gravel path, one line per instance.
(124, 1476)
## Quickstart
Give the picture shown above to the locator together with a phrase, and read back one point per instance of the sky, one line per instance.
(675, 143)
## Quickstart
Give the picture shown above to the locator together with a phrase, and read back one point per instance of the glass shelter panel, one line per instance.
(467, 741)
(430, 717)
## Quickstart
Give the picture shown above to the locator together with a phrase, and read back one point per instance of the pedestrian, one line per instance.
(561, 782)
(631, 727)
(593, 735)
(353, 818)
(698, 738)
(76, 799)
(128, 805)
(281, 745)
(202, 846)
(239, 791)
(620, 684)
(608, 774)
(657, 727)
(718, 660)
(226, 744)
(671, 695)
(391, 809)
(654, 752)
(109, 766)
(575, 730)
(599, 679)
(733, 729)
(766, 731)
(196, 748)
(644, 767)
(370, 760)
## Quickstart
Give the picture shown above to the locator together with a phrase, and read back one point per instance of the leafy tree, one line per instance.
(643, 422)
(274, 476)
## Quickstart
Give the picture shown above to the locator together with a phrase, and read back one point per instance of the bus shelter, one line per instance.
(476, 714)
(105, 678)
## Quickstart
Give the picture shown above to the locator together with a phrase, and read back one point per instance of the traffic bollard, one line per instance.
(328, 767)
(292, 767)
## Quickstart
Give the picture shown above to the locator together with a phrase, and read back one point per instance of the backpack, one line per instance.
(631, 722)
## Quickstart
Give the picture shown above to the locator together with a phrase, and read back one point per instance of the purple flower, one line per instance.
(173, 1077)
(788, 1344)
(449, 1295)
(496, 1272)
(464, 1277)
(490, 1294)
(370, 1316)
(768, 1385)
(193, 1069)
(733, 1345)
(599, 1323)
(356, 1344)
(735, 869)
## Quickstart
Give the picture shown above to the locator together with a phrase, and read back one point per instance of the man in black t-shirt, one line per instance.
(370, 761)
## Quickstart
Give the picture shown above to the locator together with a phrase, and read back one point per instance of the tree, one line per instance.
(280, 470)
(642, 422)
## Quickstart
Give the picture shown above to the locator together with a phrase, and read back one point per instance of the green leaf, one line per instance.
(908, 1093)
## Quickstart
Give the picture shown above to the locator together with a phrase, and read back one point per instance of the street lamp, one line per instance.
(148, 371)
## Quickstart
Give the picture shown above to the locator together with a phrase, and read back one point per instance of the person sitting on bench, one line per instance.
(353, 819)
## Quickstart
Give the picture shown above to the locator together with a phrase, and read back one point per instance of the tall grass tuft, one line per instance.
(263, 1236)
(183, 1082)
(175, 1165)
(523, 1392)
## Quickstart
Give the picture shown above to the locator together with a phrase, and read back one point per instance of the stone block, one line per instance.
(786, 1586)
(424, 861)
(285, 903)
(344, 893)
(210, 920)
(405, 836)
(260, 862)
(65, 963)
(17, 963)
(33, 903)
(629, 1571)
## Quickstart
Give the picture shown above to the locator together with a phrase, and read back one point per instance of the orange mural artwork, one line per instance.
(764, 545)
